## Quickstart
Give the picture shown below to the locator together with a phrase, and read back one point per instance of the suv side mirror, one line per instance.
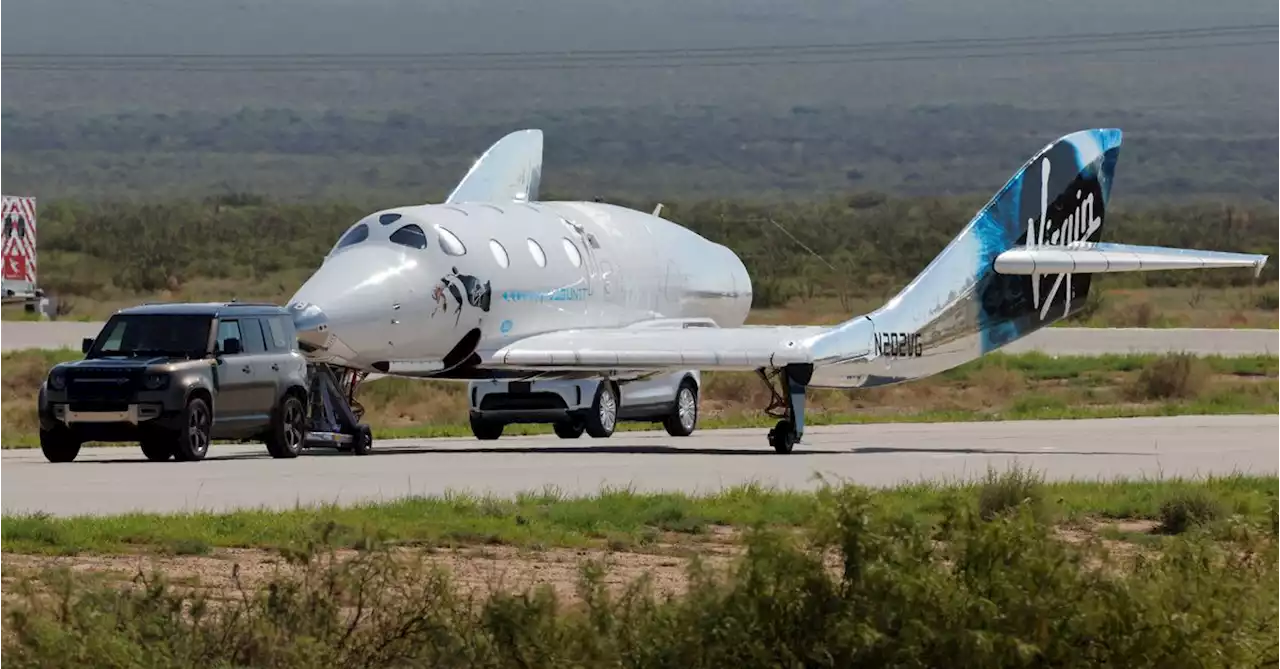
(86, 344)
(231, 346)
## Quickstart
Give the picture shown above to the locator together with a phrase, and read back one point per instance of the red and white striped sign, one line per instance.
(19, 251)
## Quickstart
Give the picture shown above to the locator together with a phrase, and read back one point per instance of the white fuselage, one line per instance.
(388, 302)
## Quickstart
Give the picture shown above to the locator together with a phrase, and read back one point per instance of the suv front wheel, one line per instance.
(191, 443)
(157, 450)
(59, 445)
(288, 429)
(484, 429)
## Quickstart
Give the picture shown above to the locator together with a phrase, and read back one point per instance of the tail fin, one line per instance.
(509, 171)
(1026, 260)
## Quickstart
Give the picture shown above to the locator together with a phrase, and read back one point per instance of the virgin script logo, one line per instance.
(1079, 226)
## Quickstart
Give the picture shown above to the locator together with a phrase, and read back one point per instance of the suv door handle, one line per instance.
(275, 366)
(245, 369)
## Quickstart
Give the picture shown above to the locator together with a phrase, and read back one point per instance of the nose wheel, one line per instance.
(787, 403)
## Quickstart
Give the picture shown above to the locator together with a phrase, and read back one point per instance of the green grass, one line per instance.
(547, 518)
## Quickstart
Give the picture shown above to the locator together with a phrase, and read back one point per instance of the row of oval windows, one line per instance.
(412, 236)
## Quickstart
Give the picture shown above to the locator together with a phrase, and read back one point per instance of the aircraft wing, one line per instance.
(1098, 258)
(510, 171)
(680, 347)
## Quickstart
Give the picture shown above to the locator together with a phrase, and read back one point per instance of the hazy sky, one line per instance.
(329, 26)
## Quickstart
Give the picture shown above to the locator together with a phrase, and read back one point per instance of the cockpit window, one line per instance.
(388, 219)
(450, 243)
(410, 235)
(354, 236)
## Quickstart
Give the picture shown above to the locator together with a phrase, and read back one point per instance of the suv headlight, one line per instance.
(57, 380)
(155, 381)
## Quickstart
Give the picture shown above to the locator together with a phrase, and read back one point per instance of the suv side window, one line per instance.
(229, 330)
(253, 341)
(276, 330)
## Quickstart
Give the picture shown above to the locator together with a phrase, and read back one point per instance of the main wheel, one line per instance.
(684, 417)
(192, 442)
(603, 417)
(782, 438)
(288, 429)
(59, 445)
(485, 430)
(157, 449)
(569, 429)
(363, 442)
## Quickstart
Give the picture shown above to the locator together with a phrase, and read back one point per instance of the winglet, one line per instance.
(658, 209)
(510, 171)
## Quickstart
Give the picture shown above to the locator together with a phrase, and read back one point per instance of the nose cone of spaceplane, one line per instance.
(347, 310)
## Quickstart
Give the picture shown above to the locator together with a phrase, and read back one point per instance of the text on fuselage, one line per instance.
(899, 344)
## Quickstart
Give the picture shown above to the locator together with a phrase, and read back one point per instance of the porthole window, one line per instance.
(538, 256)
(572, 251)
(388, 219)
(450, 242)
(410, 235)
(354, 236)
(499, 253)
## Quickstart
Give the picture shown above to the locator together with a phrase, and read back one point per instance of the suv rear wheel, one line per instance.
(288, 429)
(603, 416)
(191, 443)
(684, 416)
(59, 445)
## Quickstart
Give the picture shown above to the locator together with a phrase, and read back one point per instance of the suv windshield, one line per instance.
(158, 334)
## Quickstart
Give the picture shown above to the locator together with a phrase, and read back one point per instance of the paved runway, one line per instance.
(113, 480)
(1059, 341)
(15, 335)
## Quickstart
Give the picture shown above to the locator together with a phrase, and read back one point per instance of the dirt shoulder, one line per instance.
(475, 569)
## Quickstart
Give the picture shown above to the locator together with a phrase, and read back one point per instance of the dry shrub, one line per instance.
(876, 587)
(1188, 509)
(1135, 315)
(1175, 376)
(994, 385)
(1006, 493)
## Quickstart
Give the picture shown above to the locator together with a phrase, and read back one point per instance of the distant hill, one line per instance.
(907, 117)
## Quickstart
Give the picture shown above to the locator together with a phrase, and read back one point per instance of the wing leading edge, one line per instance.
(510, 171)
(1100, 258)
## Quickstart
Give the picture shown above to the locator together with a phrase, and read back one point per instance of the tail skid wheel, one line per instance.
(793, 379)
(783, 437)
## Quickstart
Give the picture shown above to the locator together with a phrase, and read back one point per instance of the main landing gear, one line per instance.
(333, 414)
(787, 403)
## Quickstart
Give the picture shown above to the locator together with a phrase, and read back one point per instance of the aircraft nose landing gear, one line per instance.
(787, 404)
(333, 419)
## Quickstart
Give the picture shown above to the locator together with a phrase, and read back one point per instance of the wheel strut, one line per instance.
(787, 403)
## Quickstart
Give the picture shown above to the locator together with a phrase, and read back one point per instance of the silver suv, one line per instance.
(593, 406)
(175, 377)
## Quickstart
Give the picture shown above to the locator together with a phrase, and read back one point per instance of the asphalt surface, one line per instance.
(1059, 341)
(16, 335)
(114, 480)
